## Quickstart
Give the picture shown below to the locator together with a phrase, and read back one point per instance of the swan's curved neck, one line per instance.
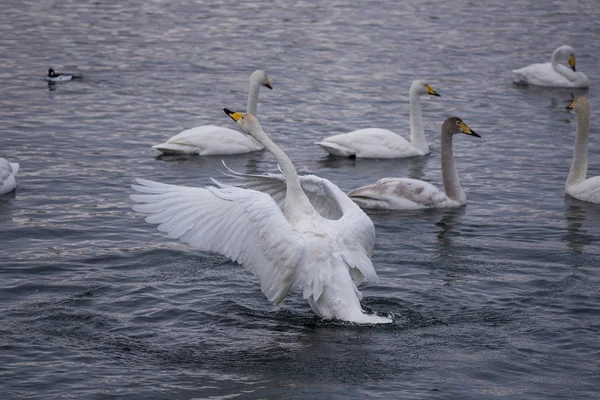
(252, 97)
(561, 69)
(452, 185)
(297, 205)
(417, 133)
(579, 165)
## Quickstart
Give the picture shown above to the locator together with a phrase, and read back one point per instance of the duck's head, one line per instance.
(51, 72)
(260, 77)
(421, 86)
(247, 122)
(579, 104)
(454, 125)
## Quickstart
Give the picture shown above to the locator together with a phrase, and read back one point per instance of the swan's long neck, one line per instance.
(297, 205)
(452, 185)
(417, 133)
(561, 69)
(252, 97)
(579, 165)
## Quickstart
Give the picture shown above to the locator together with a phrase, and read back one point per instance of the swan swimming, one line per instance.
(412, 194)
(315, 239)
(578, 185)
(8, 171)
(57, 77)
(554, 74)
(215, 140)
(382, 143)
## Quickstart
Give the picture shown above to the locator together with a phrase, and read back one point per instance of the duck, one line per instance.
(216, 140)
(8, 171)
(413, 194)
(383, 143)
(58, 77)
(578, 185)
(315, 240)
(554, 74)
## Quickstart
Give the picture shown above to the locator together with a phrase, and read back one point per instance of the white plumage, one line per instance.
(290, 231)
(382, 143)
(215, 140)
(8, 171)
(554, 74)
(578, 184)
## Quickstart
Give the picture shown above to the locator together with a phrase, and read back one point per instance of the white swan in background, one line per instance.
(578, 185)
(382, 143)
(215, 140)
(553, 74)
(412, 194)
(322, 247)
(8, 171)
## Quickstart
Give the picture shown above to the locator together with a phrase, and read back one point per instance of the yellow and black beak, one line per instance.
(267, 83)
(572, 61)
(236, 116)
(431, 91)
(570, 106)
(464, 128)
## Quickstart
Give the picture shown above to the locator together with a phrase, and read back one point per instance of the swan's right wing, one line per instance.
(244, 225)
(347, 221)
(274, 185)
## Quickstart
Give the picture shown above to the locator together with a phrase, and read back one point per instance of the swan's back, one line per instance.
(400, 194)
(8, 171)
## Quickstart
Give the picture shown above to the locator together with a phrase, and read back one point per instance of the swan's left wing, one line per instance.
(244, 225)
(346, 219)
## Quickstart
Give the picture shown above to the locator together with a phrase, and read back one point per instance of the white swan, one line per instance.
(322, 247)
(382, 143)
(215, 140)
(8, 171)
(553, 74)
(578, 185)
(411, 194)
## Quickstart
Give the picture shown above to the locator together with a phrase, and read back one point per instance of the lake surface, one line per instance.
(497, 300)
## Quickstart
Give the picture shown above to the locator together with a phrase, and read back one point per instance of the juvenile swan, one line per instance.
(8, 171)
(214, 140)
(577, 185)
(553, 74)
(411, 194)
(323, 249)
(381, 143)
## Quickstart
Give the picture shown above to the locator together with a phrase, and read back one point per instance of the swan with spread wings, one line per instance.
(291, 231)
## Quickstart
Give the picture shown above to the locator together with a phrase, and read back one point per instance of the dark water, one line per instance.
(497, 300)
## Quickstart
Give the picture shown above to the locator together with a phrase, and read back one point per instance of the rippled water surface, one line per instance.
(498, 300)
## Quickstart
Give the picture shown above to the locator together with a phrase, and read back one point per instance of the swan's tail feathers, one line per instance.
(521, 79)
(15, 167)
(174, 148)
(336, 149)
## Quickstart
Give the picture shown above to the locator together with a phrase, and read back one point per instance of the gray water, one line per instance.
(497, 300)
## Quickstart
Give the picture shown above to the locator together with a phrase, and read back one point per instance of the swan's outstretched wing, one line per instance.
(347, 220)
(244, 225)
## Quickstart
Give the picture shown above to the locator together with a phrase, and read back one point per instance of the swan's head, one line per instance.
(259, 77)
(579, 104)
(247, 122)
(454, 125)
(565, 53)
(422, 87)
